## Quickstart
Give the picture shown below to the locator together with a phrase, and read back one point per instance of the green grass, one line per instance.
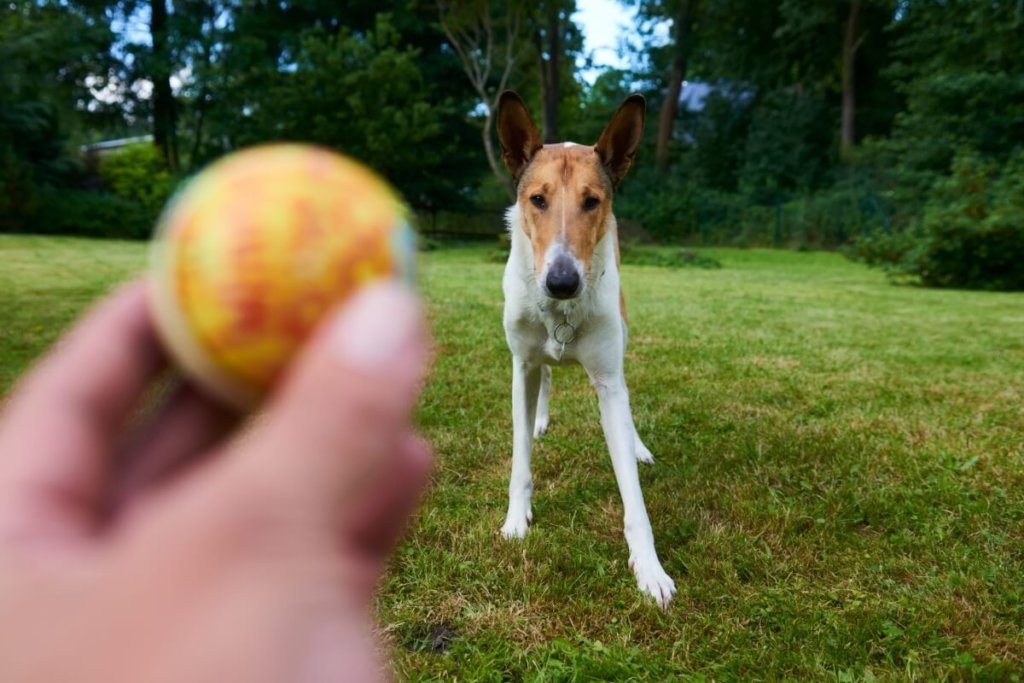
(838, 492)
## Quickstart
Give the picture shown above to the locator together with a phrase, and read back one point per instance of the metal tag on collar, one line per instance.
(564, 333)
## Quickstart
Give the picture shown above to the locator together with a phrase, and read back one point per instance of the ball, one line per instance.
(251, 253)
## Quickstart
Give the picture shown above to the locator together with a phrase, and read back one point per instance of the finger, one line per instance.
(345, 407)
(61, 420)
(381, 513)
(181, 432)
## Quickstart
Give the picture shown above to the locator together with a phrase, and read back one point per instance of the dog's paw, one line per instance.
(516, 525)
(652, 580)
(642, 453)
(540, 426)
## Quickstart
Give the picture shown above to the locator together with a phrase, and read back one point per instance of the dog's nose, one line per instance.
(563, 281)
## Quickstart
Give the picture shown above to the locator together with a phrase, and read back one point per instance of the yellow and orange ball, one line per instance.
(253, 252)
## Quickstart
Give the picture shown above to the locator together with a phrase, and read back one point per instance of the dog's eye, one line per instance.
(591, 203)
(538, 201)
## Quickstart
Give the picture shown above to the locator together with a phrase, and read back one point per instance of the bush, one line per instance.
(662, 205)
(19, 198)
(971, 233)
(138, 174)
(788, 146)
(831, 218)
(84, 213)
(674, 211)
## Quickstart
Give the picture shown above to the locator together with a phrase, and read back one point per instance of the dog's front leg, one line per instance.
(617, 423)
(525, 388)
(541, 422)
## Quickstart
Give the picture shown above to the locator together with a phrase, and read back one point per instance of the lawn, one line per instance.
(838, 488)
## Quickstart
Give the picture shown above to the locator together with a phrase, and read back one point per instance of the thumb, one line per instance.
(342, 414)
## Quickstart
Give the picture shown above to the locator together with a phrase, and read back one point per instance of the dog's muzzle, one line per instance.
(563, 280)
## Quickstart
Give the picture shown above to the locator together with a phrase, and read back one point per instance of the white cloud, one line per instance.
(603, 23)
(609, 33)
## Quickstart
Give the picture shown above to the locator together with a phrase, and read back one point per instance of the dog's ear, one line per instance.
(517, 133)
(618, 143)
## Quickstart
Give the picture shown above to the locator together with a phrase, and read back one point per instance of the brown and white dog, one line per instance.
(563, 304)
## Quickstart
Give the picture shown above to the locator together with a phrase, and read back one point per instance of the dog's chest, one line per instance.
(552, 337)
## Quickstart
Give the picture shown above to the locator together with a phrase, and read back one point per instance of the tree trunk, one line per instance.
(197, 130)
(164, 134)
(683, 30)
(847, 133)
(492, 158)
(550, 85)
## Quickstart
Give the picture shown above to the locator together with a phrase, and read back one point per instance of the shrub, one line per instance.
(662, 205)
(833, 217)
(675, 212)
(138, 173)
(19, 198)
(91, 214)
(971, 232)
(788, 146)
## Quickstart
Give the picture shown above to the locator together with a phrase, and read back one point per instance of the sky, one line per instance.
(603, 23)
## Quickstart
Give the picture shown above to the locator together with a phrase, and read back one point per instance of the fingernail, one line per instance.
(382, 325)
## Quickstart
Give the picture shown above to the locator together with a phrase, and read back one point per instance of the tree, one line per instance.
(42, 83)
(378, 84)
(165, 124)
(844, 65)
(556, 41)
(364, 94)
(486, 38)
(684, 17)
(851, 42)
(548, 42)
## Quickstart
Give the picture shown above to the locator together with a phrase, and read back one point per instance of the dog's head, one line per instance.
(564, 190)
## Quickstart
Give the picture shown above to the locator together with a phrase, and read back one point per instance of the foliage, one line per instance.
(674, 210)
(758, 155)
(19, 199)
(31, 132)
(365, 95)
(719, 140)
(663, 206)
(32, 157)
(947, 112)
(788, 146)
(971, 234)
(88, 213)
(373, 79)
(597, 105)
(42, 75)
(138, 173)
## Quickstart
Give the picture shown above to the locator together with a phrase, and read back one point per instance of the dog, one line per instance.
(563, 304)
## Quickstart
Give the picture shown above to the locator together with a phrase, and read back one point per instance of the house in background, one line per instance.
(94, 151)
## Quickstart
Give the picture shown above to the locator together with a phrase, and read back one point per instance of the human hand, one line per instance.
(195, 550)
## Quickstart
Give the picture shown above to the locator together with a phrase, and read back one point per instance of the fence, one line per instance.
(484, 224)
(820, 221)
